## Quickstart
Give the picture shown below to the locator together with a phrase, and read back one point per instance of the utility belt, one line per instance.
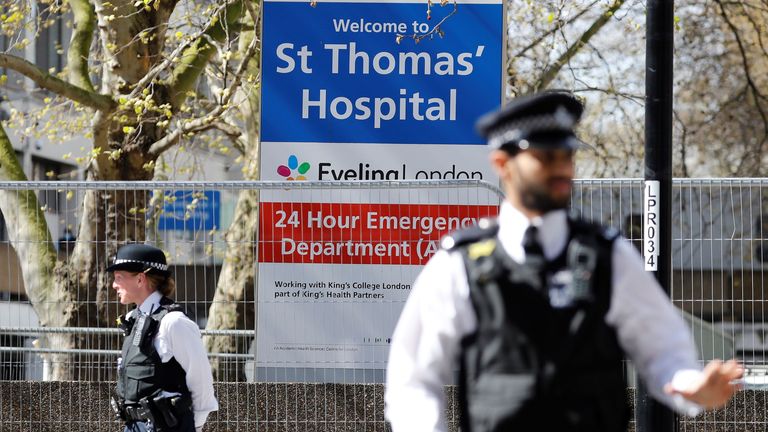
(163, 412)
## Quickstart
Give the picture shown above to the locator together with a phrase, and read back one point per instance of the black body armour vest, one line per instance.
(542, 357)
(141, 373)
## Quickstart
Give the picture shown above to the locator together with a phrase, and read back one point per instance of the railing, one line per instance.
(332, 348)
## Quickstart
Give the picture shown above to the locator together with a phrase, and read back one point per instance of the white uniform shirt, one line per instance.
(179, 337)
(438, 314)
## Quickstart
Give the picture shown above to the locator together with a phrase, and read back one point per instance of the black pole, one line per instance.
(657, 245)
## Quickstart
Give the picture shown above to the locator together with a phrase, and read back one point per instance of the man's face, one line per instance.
(129, 287)
(536, 180)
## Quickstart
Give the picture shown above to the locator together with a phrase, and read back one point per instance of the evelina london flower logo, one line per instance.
(293, 170)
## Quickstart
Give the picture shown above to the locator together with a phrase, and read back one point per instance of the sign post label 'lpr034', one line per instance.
(652, 192)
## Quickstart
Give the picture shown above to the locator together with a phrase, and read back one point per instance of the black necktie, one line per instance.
(534, 258)
(531, 245)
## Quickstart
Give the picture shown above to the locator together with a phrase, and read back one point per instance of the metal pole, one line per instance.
(657, 245)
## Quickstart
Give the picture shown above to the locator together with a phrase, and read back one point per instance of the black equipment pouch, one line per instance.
(147, 412)
(163, 411)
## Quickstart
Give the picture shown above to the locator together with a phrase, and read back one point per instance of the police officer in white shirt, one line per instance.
(537, 309)
(164, 377)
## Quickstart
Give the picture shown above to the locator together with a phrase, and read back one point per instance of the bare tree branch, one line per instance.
(755, 27)
(436, 29)
(549, 32)
(551, 72)
(206, 122)
(758, 96)
(132, 37)
(194, 58)
(233, 133)
(170, 59)
(683, 144)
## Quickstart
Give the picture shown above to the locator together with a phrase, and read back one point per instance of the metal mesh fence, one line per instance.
(312, 317)
(718, 268)
(718, 254)
(309, 321)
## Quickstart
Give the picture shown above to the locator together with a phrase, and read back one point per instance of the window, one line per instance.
(15, 79)
(3, 48)
(51, 40)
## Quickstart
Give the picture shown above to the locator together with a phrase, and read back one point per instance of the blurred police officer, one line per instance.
(537, 309)
(164, 378)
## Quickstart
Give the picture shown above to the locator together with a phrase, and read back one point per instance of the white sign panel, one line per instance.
(330, 316)
(348, 96)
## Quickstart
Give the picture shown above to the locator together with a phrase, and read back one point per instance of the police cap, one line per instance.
(545, 121)
(140, 258)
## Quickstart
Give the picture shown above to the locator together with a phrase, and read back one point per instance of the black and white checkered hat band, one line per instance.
(513, 131)
(159, 266)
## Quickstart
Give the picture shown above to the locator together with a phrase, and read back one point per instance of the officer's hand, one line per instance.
(715, 387)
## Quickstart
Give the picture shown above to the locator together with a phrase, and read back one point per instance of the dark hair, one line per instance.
(165, 284)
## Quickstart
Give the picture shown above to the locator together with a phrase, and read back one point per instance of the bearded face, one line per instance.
(537, 181)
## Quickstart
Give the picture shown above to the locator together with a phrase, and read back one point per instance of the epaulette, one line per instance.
(167, 305)
(484, 229)
(582, 225)
(175, 307)
(610, 233)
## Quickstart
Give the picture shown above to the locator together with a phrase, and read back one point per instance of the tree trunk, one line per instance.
(233, 302)
(233, 306)
(76, 293)
(29, 236)
(109, 219)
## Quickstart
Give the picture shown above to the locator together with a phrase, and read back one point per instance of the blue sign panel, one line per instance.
(190, 210)
(336, 73)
